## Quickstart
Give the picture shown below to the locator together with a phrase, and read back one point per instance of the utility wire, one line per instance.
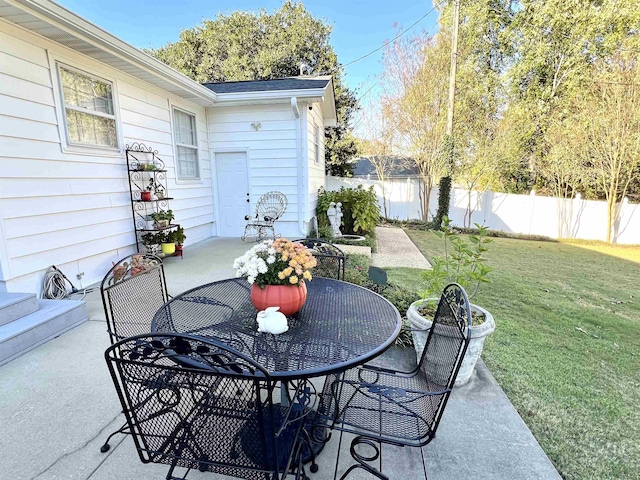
(396, 37)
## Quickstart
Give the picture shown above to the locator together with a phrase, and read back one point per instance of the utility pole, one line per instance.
(444, 188)
(454, 67)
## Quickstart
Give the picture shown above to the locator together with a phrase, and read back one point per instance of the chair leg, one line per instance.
(313, 468)
(123, 429)
(362, 459)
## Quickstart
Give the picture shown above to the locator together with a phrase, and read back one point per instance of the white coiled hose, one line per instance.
(54, 285)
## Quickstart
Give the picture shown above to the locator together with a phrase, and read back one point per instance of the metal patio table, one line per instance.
(341, 325)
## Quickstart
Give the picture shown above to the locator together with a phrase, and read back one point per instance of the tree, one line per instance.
(610, 126)
(556, 45)
(378, 152)
(414, 85)
(262, 46)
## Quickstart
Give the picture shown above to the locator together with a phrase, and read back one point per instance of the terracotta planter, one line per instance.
(145, 196)
(290, 298)
(476, 341)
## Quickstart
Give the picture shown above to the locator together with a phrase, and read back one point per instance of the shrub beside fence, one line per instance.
(527, 214)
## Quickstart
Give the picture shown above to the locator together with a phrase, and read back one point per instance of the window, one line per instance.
(88, 108)
(184, 128)
(316, 143)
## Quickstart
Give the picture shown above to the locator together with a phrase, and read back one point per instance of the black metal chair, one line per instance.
(269, 208)
(331, 259)
(132, 291)
(382, 405)
(197, 404)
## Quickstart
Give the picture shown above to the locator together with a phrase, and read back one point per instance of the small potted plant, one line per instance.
(463, 263)
(167, 243)
(162, 219)
(151, 241)
(179, 238)
(159, 192)
(145, 195)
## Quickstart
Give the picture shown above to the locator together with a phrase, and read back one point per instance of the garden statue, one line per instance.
(334, 212)
(271, 320)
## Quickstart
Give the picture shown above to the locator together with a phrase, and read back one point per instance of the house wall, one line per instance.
(73, 210)
(273, 152)
(317, 177)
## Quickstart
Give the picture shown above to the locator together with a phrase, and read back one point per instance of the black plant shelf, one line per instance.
(140, 180)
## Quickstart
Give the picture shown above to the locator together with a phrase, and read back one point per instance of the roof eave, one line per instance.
(62, 18)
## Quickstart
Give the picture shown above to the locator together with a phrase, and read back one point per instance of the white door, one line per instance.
(233, 192)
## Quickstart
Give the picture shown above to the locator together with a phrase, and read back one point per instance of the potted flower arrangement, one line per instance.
(162, 218)
(463, 263)
(276, 270)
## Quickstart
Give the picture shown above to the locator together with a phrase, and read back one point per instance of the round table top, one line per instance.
(341, 325)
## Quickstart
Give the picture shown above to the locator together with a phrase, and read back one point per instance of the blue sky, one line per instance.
(359, 26)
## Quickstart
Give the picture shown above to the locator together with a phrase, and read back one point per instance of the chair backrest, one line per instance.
(330, 259)
(446, 346)
(196, 403)
(271, 206)
(132, 292)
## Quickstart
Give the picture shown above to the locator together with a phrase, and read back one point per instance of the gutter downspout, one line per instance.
(300, 166)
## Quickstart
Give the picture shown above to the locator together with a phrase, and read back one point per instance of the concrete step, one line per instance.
(52, 319)
(16, 305)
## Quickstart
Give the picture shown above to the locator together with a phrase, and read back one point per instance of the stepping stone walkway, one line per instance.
(395, 249)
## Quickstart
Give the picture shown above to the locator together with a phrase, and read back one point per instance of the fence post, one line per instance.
(487, 204)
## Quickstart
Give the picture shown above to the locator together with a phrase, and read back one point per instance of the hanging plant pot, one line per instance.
(145, 196)
(290, 298)
(168, 248)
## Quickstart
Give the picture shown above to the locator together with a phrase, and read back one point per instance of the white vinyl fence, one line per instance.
(528, 214)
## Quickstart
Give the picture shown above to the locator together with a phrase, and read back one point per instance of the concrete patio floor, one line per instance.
(58, 404)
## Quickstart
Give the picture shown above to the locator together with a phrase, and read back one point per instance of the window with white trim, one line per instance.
(316, 144)
(184, 128)
(89, 113)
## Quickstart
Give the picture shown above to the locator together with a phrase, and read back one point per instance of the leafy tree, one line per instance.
(556, 45)
(261, 46)
(609, 126)
(414, 98)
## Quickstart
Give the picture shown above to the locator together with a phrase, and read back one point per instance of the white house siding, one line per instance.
(273, 151)
(73, 210)
(317, 175)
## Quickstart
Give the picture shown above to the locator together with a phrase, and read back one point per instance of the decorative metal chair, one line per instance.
(382, 405)
(270, 208)
(198, 404)
(331, 259)
(132, 291)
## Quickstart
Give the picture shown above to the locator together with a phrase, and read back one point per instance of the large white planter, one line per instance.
(476, 341)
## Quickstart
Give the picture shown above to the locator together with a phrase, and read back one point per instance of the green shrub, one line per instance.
(360, 210)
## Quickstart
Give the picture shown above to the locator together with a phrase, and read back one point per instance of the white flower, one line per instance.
(271, 259)
(262, 266)
(251, 280)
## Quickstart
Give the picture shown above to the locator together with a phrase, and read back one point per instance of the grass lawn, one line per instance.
(566, 349)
